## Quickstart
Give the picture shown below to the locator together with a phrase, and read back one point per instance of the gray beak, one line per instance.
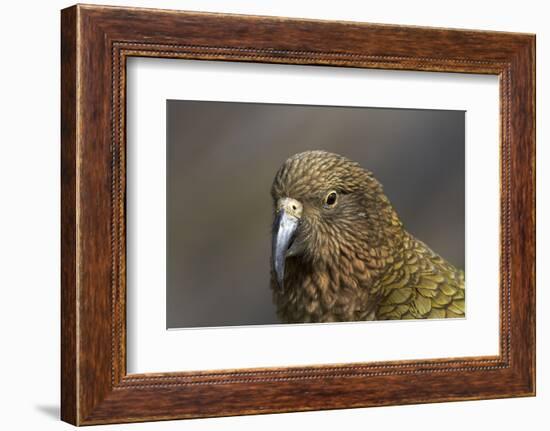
(284, 231)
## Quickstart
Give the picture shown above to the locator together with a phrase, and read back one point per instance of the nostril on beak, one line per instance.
(291, 206)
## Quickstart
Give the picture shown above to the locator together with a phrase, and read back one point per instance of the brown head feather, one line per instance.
(361, 224)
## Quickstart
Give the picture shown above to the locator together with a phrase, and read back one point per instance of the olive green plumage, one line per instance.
(341, 253)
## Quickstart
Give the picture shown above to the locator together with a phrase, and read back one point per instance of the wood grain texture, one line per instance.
(96, 41)
(69, 366)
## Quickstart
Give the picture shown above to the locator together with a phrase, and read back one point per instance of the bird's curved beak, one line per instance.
(285, 225)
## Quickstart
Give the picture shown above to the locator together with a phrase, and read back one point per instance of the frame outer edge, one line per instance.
(69, 195)
(523, 217)
(532, 84)
(533, 54)
(529, 62)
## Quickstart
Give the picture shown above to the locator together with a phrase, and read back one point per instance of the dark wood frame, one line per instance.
(95, 43)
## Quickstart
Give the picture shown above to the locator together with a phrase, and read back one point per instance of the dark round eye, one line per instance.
(330, 200)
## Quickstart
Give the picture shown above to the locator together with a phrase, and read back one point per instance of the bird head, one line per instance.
(327, 206)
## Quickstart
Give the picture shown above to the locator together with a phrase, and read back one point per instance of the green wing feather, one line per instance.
(420, 285)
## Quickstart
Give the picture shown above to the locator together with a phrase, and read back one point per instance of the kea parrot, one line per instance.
(341, 253)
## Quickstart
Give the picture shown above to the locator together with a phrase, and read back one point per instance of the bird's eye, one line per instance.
(330, 200)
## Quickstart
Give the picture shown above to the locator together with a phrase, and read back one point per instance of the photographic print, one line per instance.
(313, 214)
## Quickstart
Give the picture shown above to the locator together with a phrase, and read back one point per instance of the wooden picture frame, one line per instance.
(95, 43)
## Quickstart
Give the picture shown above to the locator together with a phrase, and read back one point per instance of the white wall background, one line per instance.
(29, 215)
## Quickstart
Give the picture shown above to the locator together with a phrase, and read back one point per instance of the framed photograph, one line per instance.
(263, 214)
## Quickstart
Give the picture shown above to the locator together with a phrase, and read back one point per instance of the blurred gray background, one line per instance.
(221, 160)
